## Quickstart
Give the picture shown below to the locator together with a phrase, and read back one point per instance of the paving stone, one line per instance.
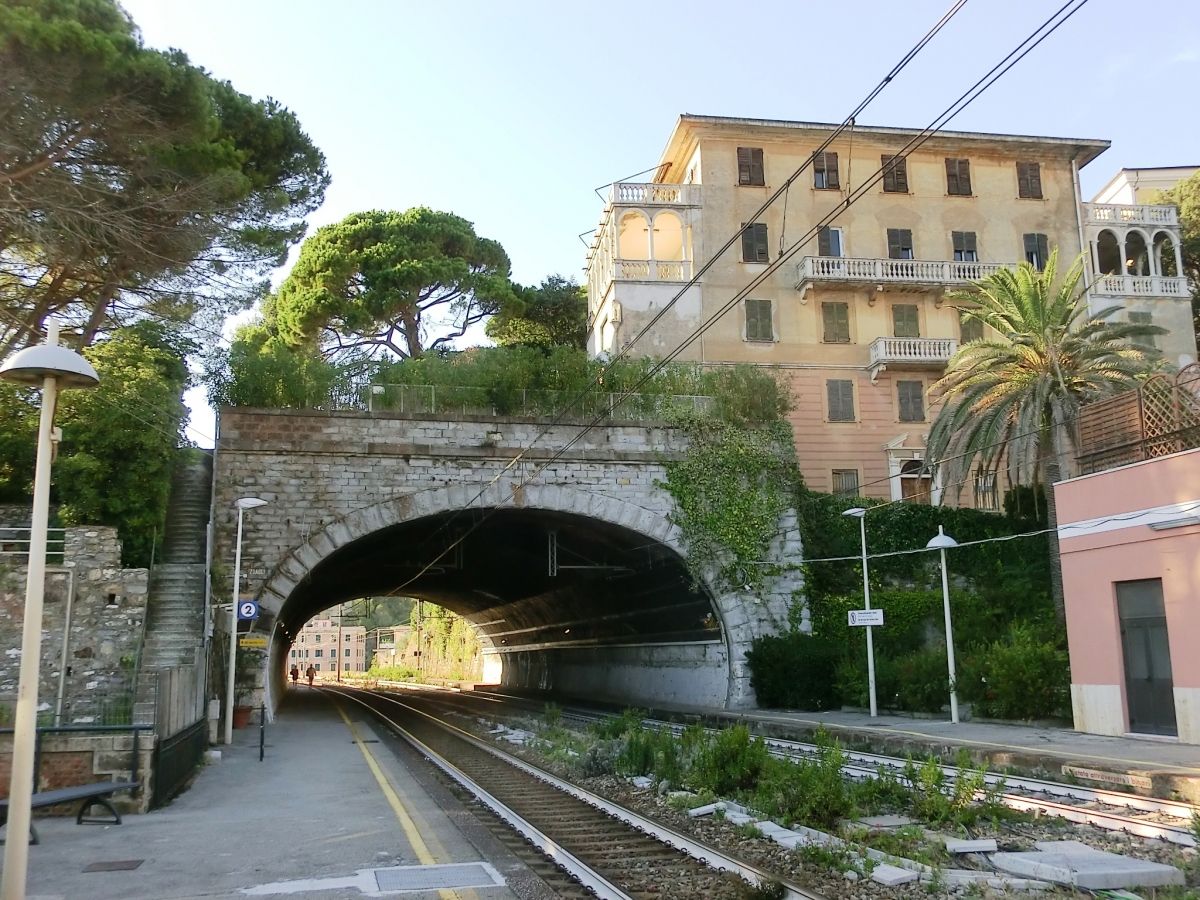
(984, 845)
(890, 876)
(706, 810)
(641, 782)
(888, 821)
(1081, 866)
(737, 818)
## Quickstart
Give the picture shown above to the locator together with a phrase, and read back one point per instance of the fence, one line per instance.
(175, 759)
(498, 401)
(14, 544)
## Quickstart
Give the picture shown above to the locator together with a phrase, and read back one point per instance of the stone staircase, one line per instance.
(175, 612)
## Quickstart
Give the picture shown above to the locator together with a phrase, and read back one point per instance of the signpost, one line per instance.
(253, 640)
(247, 609)
(871, 617)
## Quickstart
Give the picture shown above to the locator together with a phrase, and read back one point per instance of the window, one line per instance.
(845, 482)
(969, 328)
(758, 320)
(750, 166)
(1142, 318)
(754, 243)
(347, 651)
(964, 246)
(841, 399)
(316, 667)
(1036, 250)
(1029, 180)
(836, 319)
(316, 639)
(912, 400)
(905, 321)
(825, 171)
(958, 177)
(986, 496)
(895, 174)
(900, 243)
(293, 654)
(317, 654)
(829, 242)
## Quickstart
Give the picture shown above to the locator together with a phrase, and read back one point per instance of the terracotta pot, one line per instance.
(241, 716)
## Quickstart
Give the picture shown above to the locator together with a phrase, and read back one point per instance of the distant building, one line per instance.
(330, 647)
(1142, 185)
(388, 647)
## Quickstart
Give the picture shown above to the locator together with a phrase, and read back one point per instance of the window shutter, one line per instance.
(958, 177)
(912, 404)
(969, 245)
(841, 400)
(1029, 180)
(969, 328)
(893, 235)
(951, 176)
(836, 320)
(758, 320)
(895, 174)
(743, 161)
(905, 320)
(761, 252)
(964, 176)
(899, 243)
(750, 165)
(829, 162)
(823, 248)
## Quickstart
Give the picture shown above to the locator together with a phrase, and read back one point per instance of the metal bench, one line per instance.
(88, 795)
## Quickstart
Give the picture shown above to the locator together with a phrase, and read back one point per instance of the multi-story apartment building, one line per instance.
(858, 319)
(330, 647)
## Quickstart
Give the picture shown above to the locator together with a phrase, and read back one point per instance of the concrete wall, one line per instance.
(331, 478)
(74, 759)
(1106, 538)
(107, 612)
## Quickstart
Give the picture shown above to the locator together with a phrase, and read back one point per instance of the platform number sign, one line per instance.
(247, 609)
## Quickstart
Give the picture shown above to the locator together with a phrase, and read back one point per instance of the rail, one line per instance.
(15, 541)
(1130, 214)
(885, 271)
(1141, 286)
(886, 350)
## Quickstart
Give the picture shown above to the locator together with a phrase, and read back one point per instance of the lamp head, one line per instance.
(856, 512)
(34, 364)
(941, 541)
(250, 503)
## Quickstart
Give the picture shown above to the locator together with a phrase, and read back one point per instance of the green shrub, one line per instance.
(922, 681)
(883, 793)
(729, 762)
(617, 726)
(810, 791)
(1025, 675)
(793, 671)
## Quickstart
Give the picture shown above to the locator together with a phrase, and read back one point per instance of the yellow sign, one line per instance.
(253, 640)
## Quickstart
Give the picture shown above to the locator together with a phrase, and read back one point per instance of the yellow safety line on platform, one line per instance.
(424, 856)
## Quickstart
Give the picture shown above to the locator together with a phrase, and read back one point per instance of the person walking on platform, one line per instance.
(295, 674)
(310, 673)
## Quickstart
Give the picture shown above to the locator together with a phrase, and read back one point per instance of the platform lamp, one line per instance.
(54, 368)
(941, 542)
(243, 504)
(861, 514)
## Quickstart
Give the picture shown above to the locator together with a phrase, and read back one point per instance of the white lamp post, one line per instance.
(940, 542)
(243, 504)
(52, 367)
(861, 514)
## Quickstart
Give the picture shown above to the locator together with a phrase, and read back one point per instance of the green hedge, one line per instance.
(794, 671)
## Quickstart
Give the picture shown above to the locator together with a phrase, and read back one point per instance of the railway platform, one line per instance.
(330, 812)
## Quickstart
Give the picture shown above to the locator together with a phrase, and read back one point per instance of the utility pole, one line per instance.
(420, 632)
(341, 609)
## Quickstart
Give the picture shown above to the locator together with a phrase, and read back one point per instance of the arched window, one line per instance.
(668, 237)
(916, 484)
(633, 236)
(1164, 255)
(1108, 254)
(1137, 254)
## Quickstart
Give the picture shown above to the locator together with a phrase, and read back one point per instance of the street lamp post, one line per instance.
(53, 367)
(940, 542)
(861, 514)
(243, 504)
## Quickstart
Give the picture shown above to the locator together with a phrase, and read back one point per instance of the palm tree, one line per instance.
(1015, 399)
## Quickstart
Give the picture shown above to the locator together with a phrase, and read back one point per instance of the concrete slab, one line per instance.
(890, 876)
(983, 845)
(1094, 869)
(888, 821)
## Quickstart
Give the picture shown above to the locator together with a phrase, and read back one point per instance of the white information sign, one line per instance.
(866, 616)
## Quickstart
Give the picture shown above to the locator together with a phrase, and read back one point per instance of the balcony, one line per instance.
(910, 353)
(625, 193)
(1130, 214)
(1141, 286)
(915, 272)
(652, 270)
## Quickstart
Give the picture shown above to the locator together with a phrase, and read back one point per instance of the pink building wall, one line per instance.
(1105, 536)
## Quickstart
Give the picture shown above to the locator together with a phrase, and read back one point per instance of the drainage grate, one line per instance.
(116, 865)
(452, 875)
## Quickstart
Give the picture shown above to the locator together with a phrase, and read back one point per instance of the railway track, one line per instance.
(610, 851)
(1148, 817)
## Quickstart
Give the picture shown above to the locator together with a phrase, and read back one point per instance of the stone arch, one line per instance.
(1166, 254)
(633, 235)
(1108, 254)
(668, 237)
(1137, 253)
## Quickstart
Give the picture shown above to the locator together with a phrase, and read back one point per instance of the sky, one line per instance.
(511, 114)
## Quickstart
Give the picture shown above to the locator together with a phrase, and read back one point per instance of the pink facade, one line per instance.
(1130, 541)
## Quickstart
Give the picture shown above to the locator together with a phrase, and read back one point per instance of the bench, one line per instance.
(88, 795)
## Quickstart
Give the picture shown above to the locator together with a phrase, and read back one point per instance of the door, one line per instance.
(1148, 687)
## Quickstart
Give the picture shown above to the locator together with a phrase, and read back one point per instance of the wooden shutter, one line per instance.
(750, 166)
(828, 164)
(758, 320)
(964, 245)
(969, 328)
(905, 322)
(825, 243)
(841, 399)
(754, 244)
(1029, 180)
(1036, 250)
(912, 403)
(899, 243)
(895, 174)
(958, 177)
(836, 319)
(845, 481)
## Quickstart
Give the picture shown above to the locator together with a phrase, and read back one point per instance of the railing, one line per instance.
(633, 194)
(918, 271)
(175, 759)
(1141, 286)
(1130, 214)
(652, 269)
(886, 350)
(485, 402)
(14, 542)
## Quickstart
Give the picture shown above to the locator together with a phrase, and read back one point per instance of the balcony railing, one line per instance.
(632, 194)
(652, 270)
(1141, 286)
(912, 352)
(1130, 214)
(893, 271)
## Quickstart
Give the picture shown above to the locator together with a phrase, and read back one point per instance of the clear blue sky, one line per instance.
(510, 114)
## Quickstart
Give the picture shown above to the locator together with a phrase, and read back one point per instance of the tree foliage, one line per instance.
(119, 439)
(383, 282)
(1186, 196)
(131, 181)
(1014, 398)
(552, 314)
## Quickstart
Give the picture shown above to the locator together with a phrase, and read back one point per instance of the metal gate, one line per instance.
(175, 759)
(1149, 692)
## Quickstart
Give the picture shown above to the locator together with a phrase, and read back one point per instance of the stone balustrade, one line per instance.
(1141, 286)
(1130, 214)
(883, 271)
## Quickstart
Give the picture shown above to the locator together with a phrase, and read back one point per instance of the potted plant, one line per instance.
(245, 683)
